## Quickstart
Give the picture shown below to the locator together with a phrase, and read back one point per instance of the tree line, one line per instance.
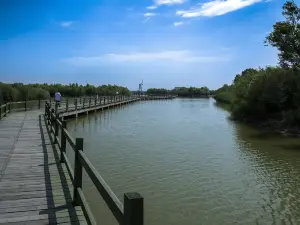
(181, 91)
(271, 94)
(20, 91)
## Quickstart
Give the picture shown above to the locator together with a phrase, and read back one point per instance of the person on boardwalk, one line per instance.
(57, 98)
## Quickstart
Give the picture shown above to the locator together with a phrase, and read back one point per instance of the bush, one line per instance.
(224, 97)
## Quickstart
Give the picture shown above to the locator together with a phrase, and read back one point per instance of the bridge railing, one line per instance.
(10, 107)
(129, 213)
(67, 104)
(73, 104)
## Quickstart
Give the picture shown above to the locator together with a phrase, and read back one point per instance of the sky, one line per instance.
(165, 43)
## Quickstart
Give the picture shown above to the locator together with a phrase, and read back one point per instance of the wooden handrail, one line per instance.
(114, 204)
(132, 212)
(5, 109)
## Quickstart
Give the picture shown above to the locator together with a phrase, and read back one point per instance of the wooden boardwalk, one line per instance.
(36, 179)
(34, 187)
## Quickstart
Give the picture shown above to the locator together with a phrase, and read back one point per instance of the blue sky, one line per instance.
(165, 42)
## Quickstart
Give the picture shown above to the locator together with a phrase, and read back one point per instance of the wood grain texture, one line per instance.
(35, 187)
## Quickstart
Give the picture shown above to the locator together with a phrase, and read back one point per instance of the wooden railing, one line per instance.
(10, 107)
(69, 104)
(129, 213)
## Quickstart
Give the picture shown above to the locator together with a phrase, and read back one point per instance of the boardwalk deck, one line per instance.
(34, 187)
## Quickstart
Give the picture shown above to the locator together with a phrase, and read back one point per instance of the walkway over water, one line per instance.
(34, 187)
(37, 183)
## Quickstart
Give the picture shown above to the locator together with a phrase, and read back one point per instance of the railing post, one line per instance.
(48, 113)
(51, 117)
(104, 99)
(90, 101)
(39, 103)
(63, 141)
(83, 103)
(56, 127)
(46, 109)
(77, 170)
(5, 109)
(75, 104)
(67, 104)
(25, 104)
(10, 107)
(95, 100)
(133, 209)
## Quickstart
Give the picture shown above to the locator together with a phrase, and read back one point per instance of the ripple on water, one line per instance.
(192, 164)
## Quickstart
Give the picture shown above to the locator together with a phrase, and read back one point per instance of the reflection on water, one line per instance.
(191, 164)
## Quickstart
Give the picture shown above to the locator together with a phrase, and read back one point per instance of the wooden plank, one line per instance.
(34, 187)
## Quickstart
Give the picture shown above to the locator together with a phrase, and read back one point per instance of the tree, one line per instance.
(286, 36)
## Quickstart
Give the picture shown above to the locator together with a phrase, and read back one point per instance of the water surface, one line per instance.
(192, 164)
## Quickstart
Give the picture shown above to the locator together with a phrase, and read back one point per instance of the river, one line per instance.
(191, 164)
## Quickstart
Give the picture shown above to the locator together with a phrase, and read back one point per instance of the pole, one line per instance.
(133, 209)
(5, 109)
(67, 104)
(55, 127)
(77, 170)
(63, 141)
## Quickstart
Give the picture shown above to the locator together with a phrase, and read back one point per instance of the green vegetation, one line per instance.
(224, 94)
(271, 94)
(191, 91)
(158, 91)
(181, 91)
(19, 91)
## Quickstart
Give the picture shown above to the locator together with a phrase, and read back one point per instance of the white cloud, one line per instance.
(163, 56)
(168, 2)
(149, 14)
(151, 7)
(66, 23)
(216, 8)
(157, 3)
(176, 24)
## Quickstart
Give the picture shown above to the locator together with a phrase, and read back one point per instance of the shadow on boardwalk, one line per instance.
(53, 210)
(34, 187)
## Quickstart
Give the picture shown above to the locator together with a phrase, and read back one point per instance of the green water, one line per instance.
(192, 165)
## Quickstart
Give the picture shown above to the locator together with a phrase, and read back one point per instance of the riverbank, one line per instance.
(270, 124)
